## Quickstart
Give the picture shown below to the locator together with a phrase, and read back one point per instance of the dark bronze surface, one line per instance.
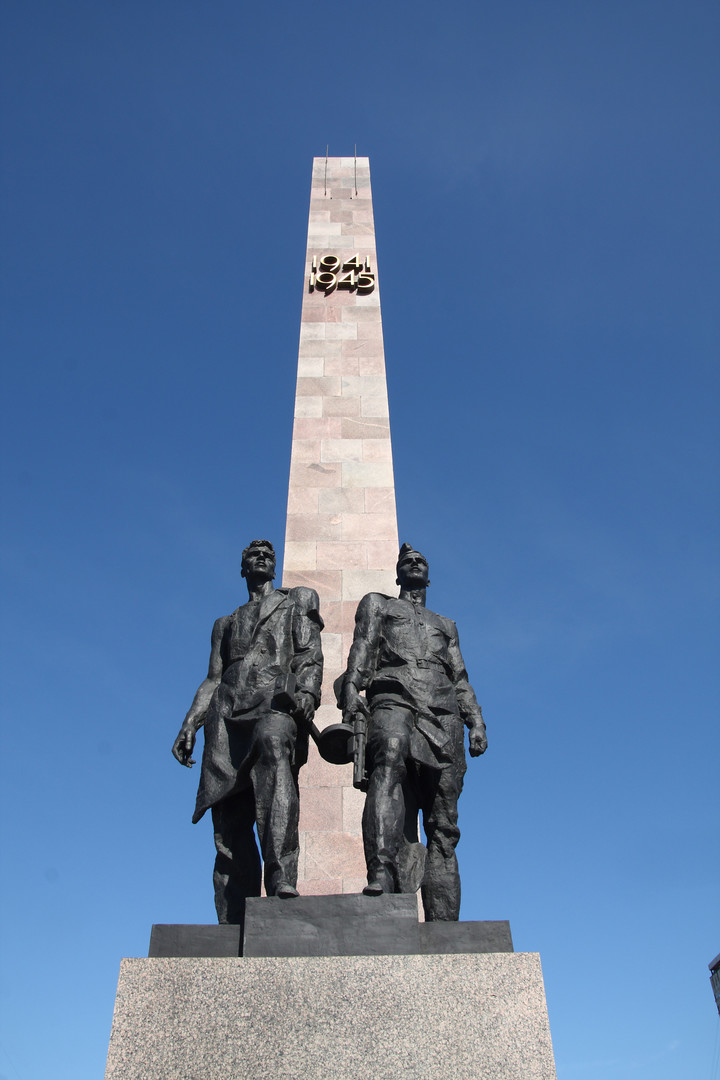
(256, 706)
(406, 660)
(343, 925)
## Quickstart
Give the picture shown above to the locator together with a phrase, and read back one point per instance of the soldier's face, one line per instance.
(413, 572)
(259, 562)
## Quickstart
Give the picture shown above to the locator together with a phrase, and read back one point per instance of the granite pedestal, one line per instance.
(332, 988)
(332, 1018)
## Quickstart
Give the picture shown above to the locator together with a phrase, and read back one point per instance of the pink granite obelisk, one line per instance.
(341, 537)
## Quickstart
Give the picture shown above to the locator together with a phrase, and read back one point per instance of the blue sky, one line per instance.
(545, 184)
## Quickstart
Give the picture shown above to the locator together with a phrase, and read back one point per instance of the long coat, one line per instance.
(255, 647)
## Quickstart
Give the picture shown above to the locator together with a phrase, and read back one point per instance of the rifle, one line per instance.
(360, 776)
(339, 743)
(354, 729)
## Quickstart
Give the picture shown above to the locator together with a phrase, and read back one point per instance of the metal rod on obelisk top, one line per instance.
(341, 537)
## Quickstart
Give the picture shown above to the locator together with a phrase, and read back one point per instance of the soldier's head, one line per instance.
(258, 560)
(412, 569)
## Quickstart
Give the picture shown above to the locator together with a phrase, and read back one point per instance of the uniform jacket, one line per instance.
(257, 643)
(406, 653)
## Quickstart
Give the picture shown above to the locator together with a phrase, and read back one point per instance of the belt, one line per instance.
(424, 662)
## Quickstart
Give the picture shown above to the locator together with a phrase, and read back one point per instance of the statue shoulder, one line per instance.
(447, 624)
(304, 598)
(219, 629)
(373, 602)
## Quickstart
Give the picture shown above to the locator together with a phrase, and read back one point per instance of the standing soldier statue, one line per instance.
(407, 660)
(256, 705)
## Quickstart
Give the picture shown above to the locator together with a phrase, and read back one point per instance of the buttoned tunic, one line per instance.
(402, 652)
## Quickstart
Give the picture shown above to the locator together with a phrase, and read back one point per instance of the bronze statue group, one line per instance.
(405, 699)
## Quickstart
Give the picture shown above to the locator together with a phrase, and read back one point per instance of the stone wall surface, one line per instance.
(341, 536)
(464, 1017)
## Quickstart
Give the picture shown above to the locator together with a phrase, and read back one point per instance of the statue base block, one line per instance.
(420, 1017)
(343, 925)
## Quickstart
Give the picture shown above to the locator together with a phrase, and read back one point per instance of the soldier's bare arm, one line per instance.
(184, 744)
(467, 702)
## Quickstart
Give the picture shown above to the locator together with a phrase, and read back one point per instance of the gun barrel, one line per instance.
(360, 779)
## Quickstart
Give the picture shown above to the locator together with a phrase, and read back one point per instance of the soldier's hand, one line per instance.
(353, 705)
(183, 747)
(478, 741)
(305, 705)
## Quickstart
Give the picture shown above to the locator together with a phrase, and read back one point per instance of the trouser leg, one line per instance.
(237, 864)
(384, 814)
(277, 802)
(441, 882)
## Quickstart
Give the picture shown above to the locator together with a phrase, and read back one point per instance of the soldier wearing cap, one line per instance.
(256, 736)
(407, 660)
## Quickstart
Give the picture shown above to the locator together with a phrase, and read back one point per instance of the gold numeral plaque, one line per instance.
(329, 272)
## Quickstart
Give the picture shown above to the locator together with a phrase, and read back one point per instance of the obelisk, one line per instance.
(341, 537)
